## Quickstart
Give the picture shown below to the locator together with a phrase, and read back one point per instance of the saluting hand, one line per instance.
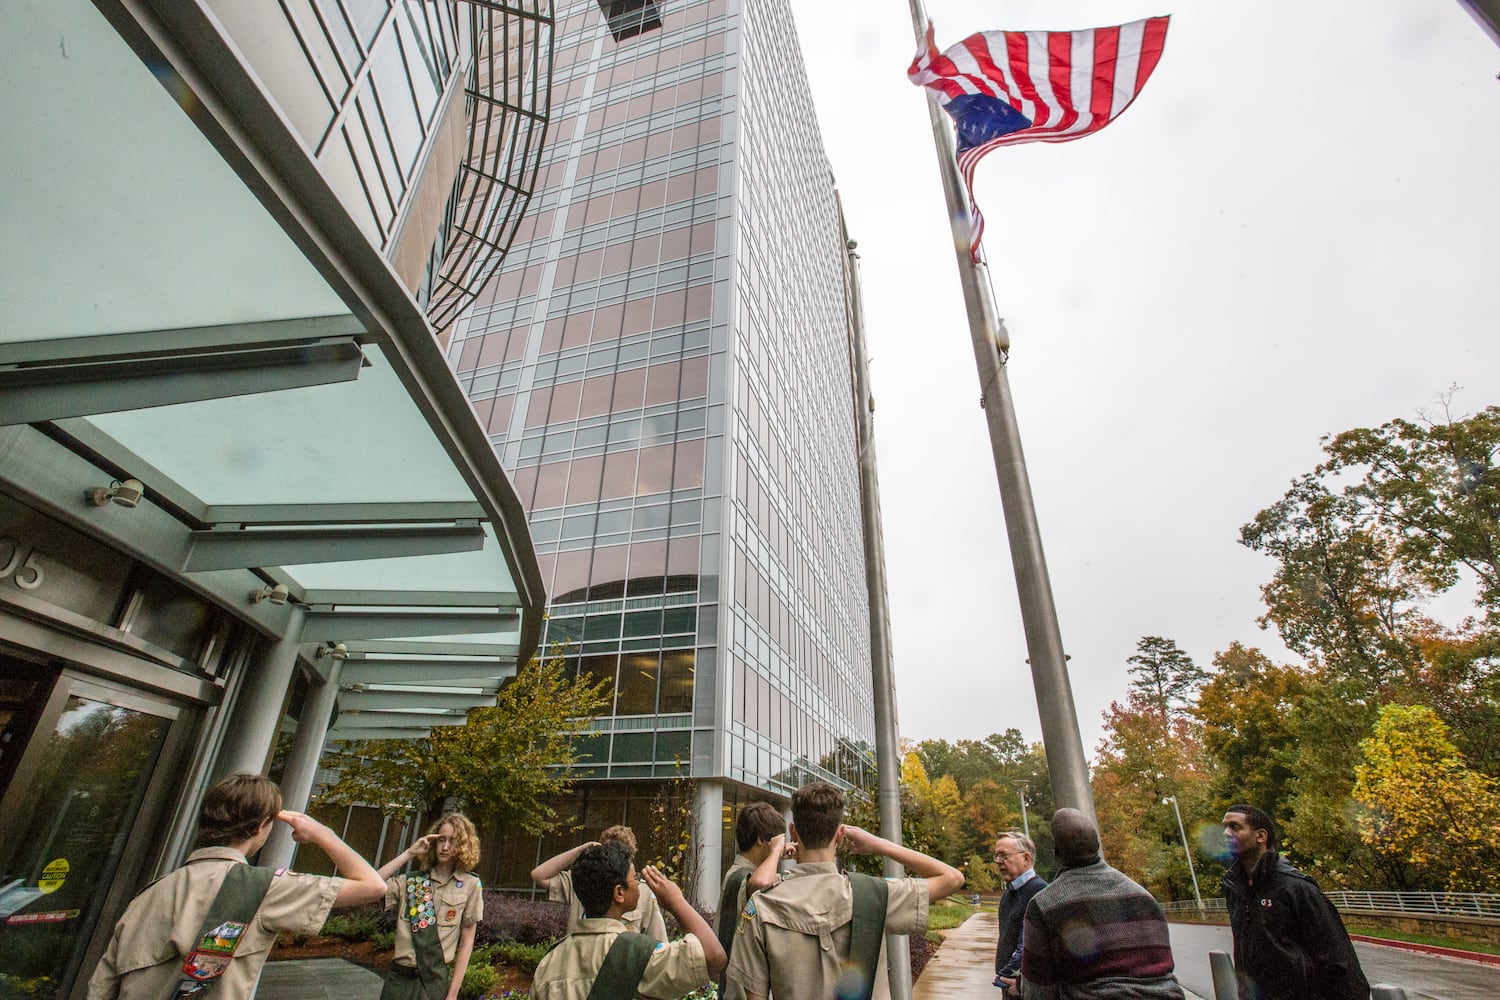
(304, 827)
(665, 889)
(860, 841)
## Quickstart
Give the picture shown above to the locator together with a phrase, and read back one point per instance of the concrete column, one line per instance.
(250, 734)
(708, 816)
(302, 765)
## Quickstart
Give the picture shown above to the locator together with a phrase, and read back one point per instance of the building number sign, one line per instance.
(20, 563)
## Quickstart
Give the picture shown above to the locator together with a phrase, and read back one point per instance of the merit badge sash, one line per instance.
(229, 916)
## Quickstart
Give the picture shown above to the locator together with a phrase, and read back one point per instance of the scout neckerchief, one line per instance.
(619, 975)
(865, 933)
(421, 912)
(229, 915)
(728, 914)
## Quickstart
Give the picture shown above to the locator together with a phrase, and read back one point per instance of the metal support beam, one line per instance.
(376, 701)
(1487, 13)
(503, 650)
(501, 600)
(351, 720)
(284, 514)
(393, 733)
(426, 672)
(250, 734)
(225, 548)
(33, 391)
(302, 766)
(343, 626)
(708, 818)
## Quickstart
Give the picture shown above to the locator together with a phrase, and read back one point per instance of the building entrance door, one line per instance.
(77, 757)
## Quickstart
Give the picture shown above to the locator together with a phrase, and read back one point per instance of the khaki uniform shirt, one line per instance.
(458, 902)
(161, 925)
(646, 918)
(793, 938)
(567, 971)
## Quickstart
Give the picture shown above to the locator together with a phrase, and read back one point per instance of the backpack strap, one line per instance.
(867, 929)
(224, 926)
(619, 976)
(729, 914)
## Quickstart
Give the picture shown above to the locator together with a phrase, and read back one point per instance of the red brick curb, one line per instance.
(1430, 949)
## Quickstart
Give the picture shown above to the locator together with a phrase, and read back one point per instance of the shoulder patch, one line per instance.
(280, 872)
(749, 910)
(659, 946)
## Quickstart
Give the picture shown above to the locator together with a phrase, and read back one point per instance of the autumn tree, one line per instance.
(1425, 806)
(1434, 486)
(502, 767)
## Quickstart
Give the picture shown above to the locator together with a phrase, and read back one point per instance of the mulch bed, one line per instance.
(365, 953)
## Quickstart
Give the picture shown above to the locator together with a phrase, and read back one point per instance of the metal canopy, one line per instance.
(187, 303)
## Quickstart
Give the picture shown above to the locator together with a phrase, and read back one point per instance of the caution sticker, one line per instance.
(53, 876)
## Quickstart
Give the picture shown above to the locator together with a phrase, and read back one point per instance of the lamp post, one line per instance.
(1021, 786)
(1185, 849)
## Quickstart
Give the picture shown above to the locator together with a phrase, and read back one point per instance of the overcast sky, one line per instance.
(1292, 232)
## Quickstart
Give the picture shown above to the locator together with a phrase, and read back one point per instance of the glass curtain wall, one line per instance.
(662, 363)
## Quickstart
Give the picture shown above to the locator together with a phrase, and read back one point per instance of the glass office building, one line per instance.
(663, 365)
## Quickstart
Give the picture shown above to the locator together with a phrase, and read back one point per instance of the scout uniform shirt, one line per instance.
(646, 918)
(567, 971)
(162, 924)
(793, 938)
(457, 902)
(732, 989)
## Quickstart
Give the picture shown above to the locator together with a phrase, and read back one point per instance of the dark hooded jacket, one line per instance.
(1289, 942)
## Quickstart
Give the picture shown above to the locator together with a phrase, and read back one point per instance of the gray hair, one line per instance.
(1024, 842)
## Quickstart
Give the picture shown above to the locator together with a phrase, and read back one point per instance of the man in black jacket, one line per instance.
(1015, 854)
(1289, 943)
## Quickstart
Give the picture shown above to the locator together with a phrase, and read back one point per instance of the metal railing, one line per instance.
(1430, 904)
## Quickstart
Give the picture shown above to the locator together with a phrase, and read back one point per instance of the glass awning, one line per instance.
(169, 310)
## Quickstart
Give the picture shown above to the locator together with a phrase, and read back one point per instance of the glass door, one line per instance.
(67, 810)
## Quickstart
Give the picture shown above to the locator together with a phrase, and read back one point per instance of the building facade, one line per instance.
(243, 500)
(663, 364)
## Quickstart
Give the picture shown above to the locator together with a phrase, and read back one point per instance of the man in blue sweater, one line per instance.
(1016, 855)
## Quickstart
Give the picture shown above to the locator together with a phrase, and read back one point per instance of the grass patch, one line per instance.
(1391, 934)
(949, 914)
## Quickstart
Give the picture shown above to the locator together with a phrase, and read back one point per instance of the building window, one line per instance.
(628, 18)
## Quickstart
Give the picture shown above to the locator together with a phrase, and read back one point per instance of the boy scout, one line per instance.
(438, 908)
(797, 938)
(553, 876)
(759, 833)
(206, 928)
(626, 964)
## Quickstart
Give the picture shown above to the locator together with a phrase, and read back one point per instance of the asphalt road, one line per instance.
(1423, 977)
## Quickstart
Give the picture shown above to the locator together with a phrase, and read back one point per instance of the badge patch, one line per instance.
(451, 915)
(1265, 904)
(749, 910)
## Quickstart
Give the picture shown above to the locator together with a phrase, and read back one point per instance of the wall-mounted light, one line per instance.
(277, 595)
(125, 492)
(336, 650)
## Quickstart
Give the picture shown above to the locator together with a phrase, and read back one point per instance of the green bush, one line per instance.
(352, 926)
(383, 940)
(523, 956)
(477, 981)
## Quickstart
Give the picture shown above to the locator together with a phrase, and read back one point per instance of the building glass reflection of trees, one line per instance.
(662, 363)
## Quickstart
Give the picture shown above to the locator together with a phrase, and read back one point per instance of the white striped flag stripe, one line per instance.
(1007, 87)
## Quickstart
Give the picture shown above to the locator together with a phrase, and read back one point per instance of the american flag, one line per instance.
(1005, 87)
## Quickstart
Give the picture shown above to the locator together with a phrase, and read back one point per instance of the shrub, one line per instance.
(674, 929)
(523, 956)
(478, 979)
(352, 926)
(507, 918)
(383, 940)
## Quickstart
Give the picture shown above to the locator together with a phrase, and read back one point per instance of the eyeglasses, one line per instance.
(1007, 857)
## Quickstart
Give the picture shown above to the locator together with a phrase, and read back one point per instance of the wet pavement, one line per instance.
(317, 979)
(964, 967)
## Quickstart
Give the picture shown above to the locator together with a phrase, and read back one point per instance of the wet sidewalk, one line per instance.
(317, 979)
(964, 967)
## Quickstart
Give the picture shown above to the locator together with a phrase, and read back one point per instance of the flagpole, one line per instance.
(1066, 764)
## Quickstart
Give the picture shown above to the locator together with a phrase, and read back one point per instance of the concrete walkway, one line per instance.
(964, 967)
(317, 979)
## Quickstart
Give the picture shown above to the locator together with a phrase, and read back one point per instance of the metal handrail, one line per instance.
(1485, 905)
